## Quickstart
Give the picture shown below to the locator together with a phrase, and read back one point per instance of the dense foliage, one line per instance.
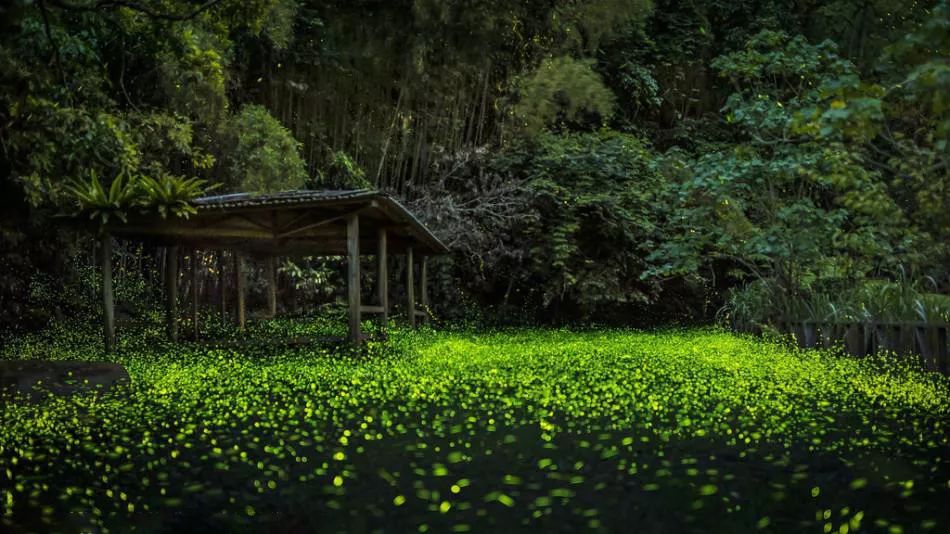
(649, 160)
(611, 162)
(464, 431)
(586, 222)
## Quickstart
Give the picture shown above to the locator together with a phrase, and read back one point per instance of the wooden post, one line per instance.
(811, 335)
(171, 292)
(239, 283)
(424, 288)
(222, 286)
(108, 310)
(382, 278)
(292, 287)
(194, 293)
(353, 276)
(410, 289)
(272, 286)
(942, 356)
(161, 253)
(854, 339)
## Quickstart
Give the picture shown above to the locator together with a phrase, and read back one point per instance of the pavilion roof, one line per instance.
(288, 223)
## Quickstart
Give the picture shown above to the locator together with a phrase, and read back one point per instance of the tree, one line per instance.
(262, 156)
(793, 204)
(562, 90)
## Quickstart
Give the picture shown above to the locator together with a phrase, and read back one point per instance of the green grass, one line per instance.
(461, 431)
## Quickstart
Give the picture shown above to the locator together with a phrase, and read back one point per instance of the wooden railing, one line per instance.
(925, 340)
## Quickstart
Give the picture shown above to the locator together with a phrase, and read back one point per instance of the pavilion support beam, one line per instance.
(108, 304)
(424, 288)
(382, 278)
(353, 276)
(171, 292)
(222, 286)
(272, 286)
(194, 294)
(239, 283)
(410, 289)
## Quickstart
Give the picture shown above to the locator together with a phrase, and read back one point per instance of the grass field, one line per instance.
(460, 431)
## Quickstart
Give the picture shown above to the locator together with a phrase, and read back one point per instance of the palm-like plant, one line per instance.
(170, 194)
(100, 203)
(166, 194)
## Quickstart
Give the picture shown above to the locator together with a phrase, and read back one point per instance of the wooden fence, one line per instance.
(925, 340)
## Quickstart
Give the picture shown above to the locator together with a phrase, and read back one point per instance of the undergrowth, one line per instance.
(473, 431)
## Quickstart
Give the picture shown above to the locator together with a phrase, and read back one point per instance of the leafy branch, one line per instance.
(135, 6)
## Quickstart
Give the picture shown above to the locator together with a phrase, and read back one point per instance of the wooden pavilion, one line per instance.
(291, 223)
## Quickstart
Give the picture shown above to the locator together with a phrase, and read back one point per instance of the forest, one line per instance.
(608, 161)
(668, 224)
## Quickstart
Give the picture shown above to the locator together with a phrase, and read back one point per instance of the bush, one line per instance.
(555, 228)
(262, 155)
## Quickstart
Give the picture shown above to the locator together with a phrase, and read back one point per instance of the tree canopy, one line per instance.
(589, 160)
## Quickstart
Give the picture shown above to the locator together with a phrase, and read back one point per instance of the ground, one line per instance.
(480, 431)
